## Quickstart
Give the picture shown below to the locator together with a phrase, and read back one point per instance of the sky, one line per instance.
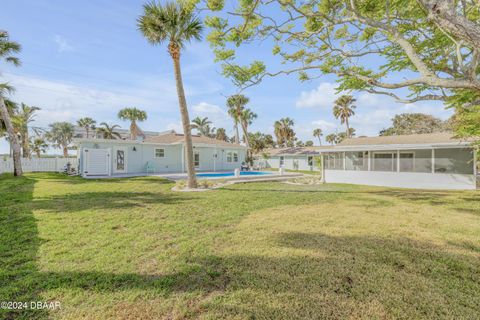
(87, 58)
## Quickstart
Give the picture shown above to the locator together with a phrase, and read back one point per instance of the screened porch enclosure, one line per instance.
(439, 160)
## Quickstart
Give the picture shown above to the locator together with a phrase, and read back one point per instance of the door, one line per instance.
(196, 159)
(96, 162)
(119, 160)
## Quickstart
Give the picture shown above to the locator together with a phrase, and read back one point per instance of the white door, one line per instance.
(119, 160)
(97, 162)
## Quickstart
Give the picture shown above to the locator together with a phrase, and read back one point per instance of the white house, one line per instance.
(429, 161)
(162, 153)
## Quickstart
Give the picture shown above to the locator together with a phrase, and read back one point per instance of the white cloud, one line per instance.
(62, 44)
(324, 125)
(321, 97)
(207, 108)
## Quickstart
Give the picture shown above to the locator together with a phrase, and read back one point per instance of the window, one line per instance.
(196, 159)
(159, 153)
(282, 161)
(458, 161)
(385, 161)
(229, 157)
(407, 162)
(310, 161)
(357, 161)
(235, 157)
(232, 156)
(334, 161)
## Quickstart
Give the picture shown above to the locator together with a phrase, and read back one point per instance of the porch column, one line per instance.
(322, 159)
(369, 155)
(433, 160)
(183, 158)
(398, 160)
(344, 161)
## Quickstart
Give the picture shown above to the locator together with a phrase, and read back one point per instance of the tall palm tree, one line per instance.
(61, 134)
(134, 115)
(21, 121)
(7, 51)
(108, 132)
(236, 103)
(318, 133)
(38, 146)
(202, 125)
(172, 22)
(246, 118)
(87, 124)
(221, 134)
(344, 109)
(284, 132)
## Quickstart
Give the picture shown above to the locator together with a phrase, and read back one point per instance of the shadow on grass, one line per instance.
(74, 202)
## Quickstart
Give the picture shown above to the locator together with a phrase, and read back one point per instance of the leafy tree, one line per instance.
(331, 138)
(221, 134)
(260, 142)
(344, 109)
(108, 132)
(87, 124)
(176, 24)
(61, 134)
(202, 125)
(246, 119)
(414, 123)
(309, 143)
(429, 48)
(38, 145)
(318, 133)
(133, 115)
(299, 143)
(284, 132)
(21, 121)
(236, 103)
(7, 51)
(344, 135)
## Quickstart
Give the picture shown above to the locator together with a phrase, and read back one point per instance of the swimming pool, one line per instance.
(231, 174)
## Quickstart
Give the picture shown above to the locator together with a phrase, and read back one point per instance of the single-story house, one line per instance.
(429, 161)
(163, 153)
(292, 158)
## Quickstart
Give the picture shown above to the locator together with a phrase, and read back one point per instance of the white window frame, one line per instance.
(281, 161)
(155, 153)
(229, 156)
(235, 156)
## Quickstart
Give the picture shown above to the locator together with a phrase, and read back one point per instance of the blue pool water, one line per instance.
(230, 174)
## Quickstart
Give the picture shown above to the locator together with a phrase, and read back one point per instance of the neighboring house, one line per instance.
(429, 161)
(161, 153)
(293, 158)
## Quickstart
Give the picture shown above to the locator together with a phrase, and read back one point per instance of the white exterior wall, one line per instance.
(402, 179)
(302, 161)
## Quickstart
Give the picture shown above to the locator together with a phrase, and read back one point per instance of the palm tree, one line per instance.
(108, 132)
(134, 115)
(318, 133)
(331, 138)
(202, 125)
(344, 109)
(87, 124)
(61, 134)
(172, 22)
(21, 121)
(284, 132)
(221, 134)
(246, 118)
(7, 50)
(39, 146)
(236, 103)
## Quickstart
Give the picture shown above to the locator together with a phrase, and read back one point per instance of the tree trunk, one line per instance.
(38, 154)
(182, 102)
(237, 133)
(17, 162)
(319, 140)
(245, 134)
(65, 152)
(25, 148)
(86, 129)
(133, 130)
(348, 128)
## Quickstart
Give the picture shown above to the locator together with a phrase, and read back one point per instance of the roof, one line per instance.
(428, 138)
(292, 151)
(173, 138)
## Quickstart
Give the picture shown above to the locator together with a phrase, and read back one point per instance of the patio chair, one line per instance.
(150, 167)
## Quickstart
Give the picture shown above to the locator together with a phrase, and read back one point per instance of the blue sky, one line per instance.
(86, 58)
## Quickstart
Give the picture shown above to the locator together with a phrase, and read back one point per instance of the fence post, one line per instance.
(56, 164)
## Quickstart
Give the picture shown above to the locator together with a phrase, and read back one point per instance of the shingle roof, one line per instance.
(173, 137)
(429, 138)
(292, 151)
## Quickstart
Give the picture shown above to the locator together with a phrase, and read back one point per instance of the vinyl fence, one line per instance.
(38, 164)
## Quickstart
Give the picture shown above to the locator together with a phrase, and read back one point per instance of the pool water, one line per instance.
(231, 174)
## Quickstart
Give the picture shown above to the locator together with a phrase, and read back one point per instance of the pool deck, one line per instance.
(272, 176)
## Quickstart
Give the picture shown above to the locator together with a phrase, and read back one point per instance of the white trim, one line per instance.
(433, 160)
(397, 147)
(206, 145)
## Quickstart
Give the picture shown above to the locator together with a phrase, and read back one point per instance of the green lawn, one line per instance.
(132, 249)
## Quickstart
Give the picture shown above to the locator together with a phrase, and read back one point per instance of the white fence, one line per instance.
(38, 164)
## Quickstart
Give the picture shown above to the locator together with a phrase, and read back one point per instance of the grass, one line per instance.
(132, 249)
